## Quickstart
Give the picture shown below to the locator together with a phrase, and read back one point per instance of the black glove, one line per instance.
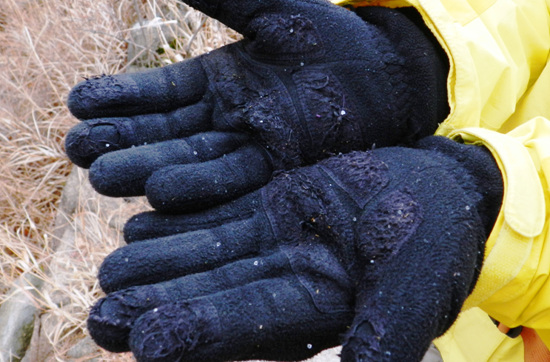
(382, 247)
(309, 80)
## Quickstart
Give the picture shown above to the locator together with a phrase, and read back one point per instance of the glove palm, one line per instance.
(383, 246)
(309, 80)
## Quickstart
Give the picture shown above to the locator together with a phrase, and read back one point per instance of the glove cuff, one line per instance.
(426, 104)
(478, 168)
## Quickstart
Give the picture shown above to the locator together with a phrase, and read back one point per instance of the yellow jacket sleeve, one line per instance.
(474, 338)
(514, 285)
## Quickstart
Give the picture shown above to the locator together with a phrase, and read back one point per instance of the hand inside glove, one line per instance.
(382, 247)
(309, 80)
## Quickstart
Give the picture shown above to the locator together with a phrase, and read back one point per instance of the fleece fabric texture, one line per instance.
(372, 246)
(499, 80)
(293, 92)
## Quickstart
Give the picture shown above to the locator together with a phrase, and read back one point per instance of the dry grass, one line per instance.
(46, 47)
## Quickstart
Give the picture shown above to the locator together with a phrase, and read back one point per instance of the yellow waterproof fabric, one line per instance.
(514, 285)
(499, 94)
(474, 338)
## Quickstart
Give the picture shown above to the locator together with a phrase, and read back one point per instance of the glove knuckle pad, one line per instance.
(361, 175)
(333, 124)
(254, 101)
(301, 208)
(388, 219)
(382, 231)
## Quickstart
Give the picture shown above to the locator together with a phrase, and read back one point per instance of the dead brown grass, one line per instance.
(46, 47)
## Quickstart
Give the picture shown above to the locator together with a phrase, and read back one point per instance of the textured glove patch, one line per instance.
(255, 103)
(113, 317)
(385, 229)
(285, 36)
(363, 176)
(297, 205)
(105, 89)
(304, 206)
(89, 140)
(365, 340)
(169, 331)
(331, 124)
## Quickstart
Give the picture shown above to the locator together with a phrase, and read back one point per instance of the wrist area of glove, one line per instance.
(425, 67)
(477, 170)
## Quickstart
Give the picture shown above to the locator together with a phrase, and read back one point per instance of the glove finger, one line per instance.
(153, 224)
(414, 298)
(157, 260)
(192, 187)
(271, 319)
(237, 14)
(112, 318)
(90, 139)
(125, 172)
(129, 94)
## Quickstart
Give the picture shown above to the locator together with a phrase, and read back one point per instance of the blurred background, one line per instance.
(54, 230)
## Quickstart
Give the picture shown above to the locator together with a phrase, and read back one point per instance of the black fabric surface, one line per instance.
(376, 250)
(309, 80)
(277, 232)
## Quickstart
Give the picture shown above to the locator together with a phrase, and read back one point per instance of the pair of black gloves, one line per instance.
(278, 232)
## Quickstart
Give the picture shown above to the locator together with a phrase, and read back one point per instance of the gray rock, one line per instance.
(148, 39)
(84, 348)
(17, 315)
